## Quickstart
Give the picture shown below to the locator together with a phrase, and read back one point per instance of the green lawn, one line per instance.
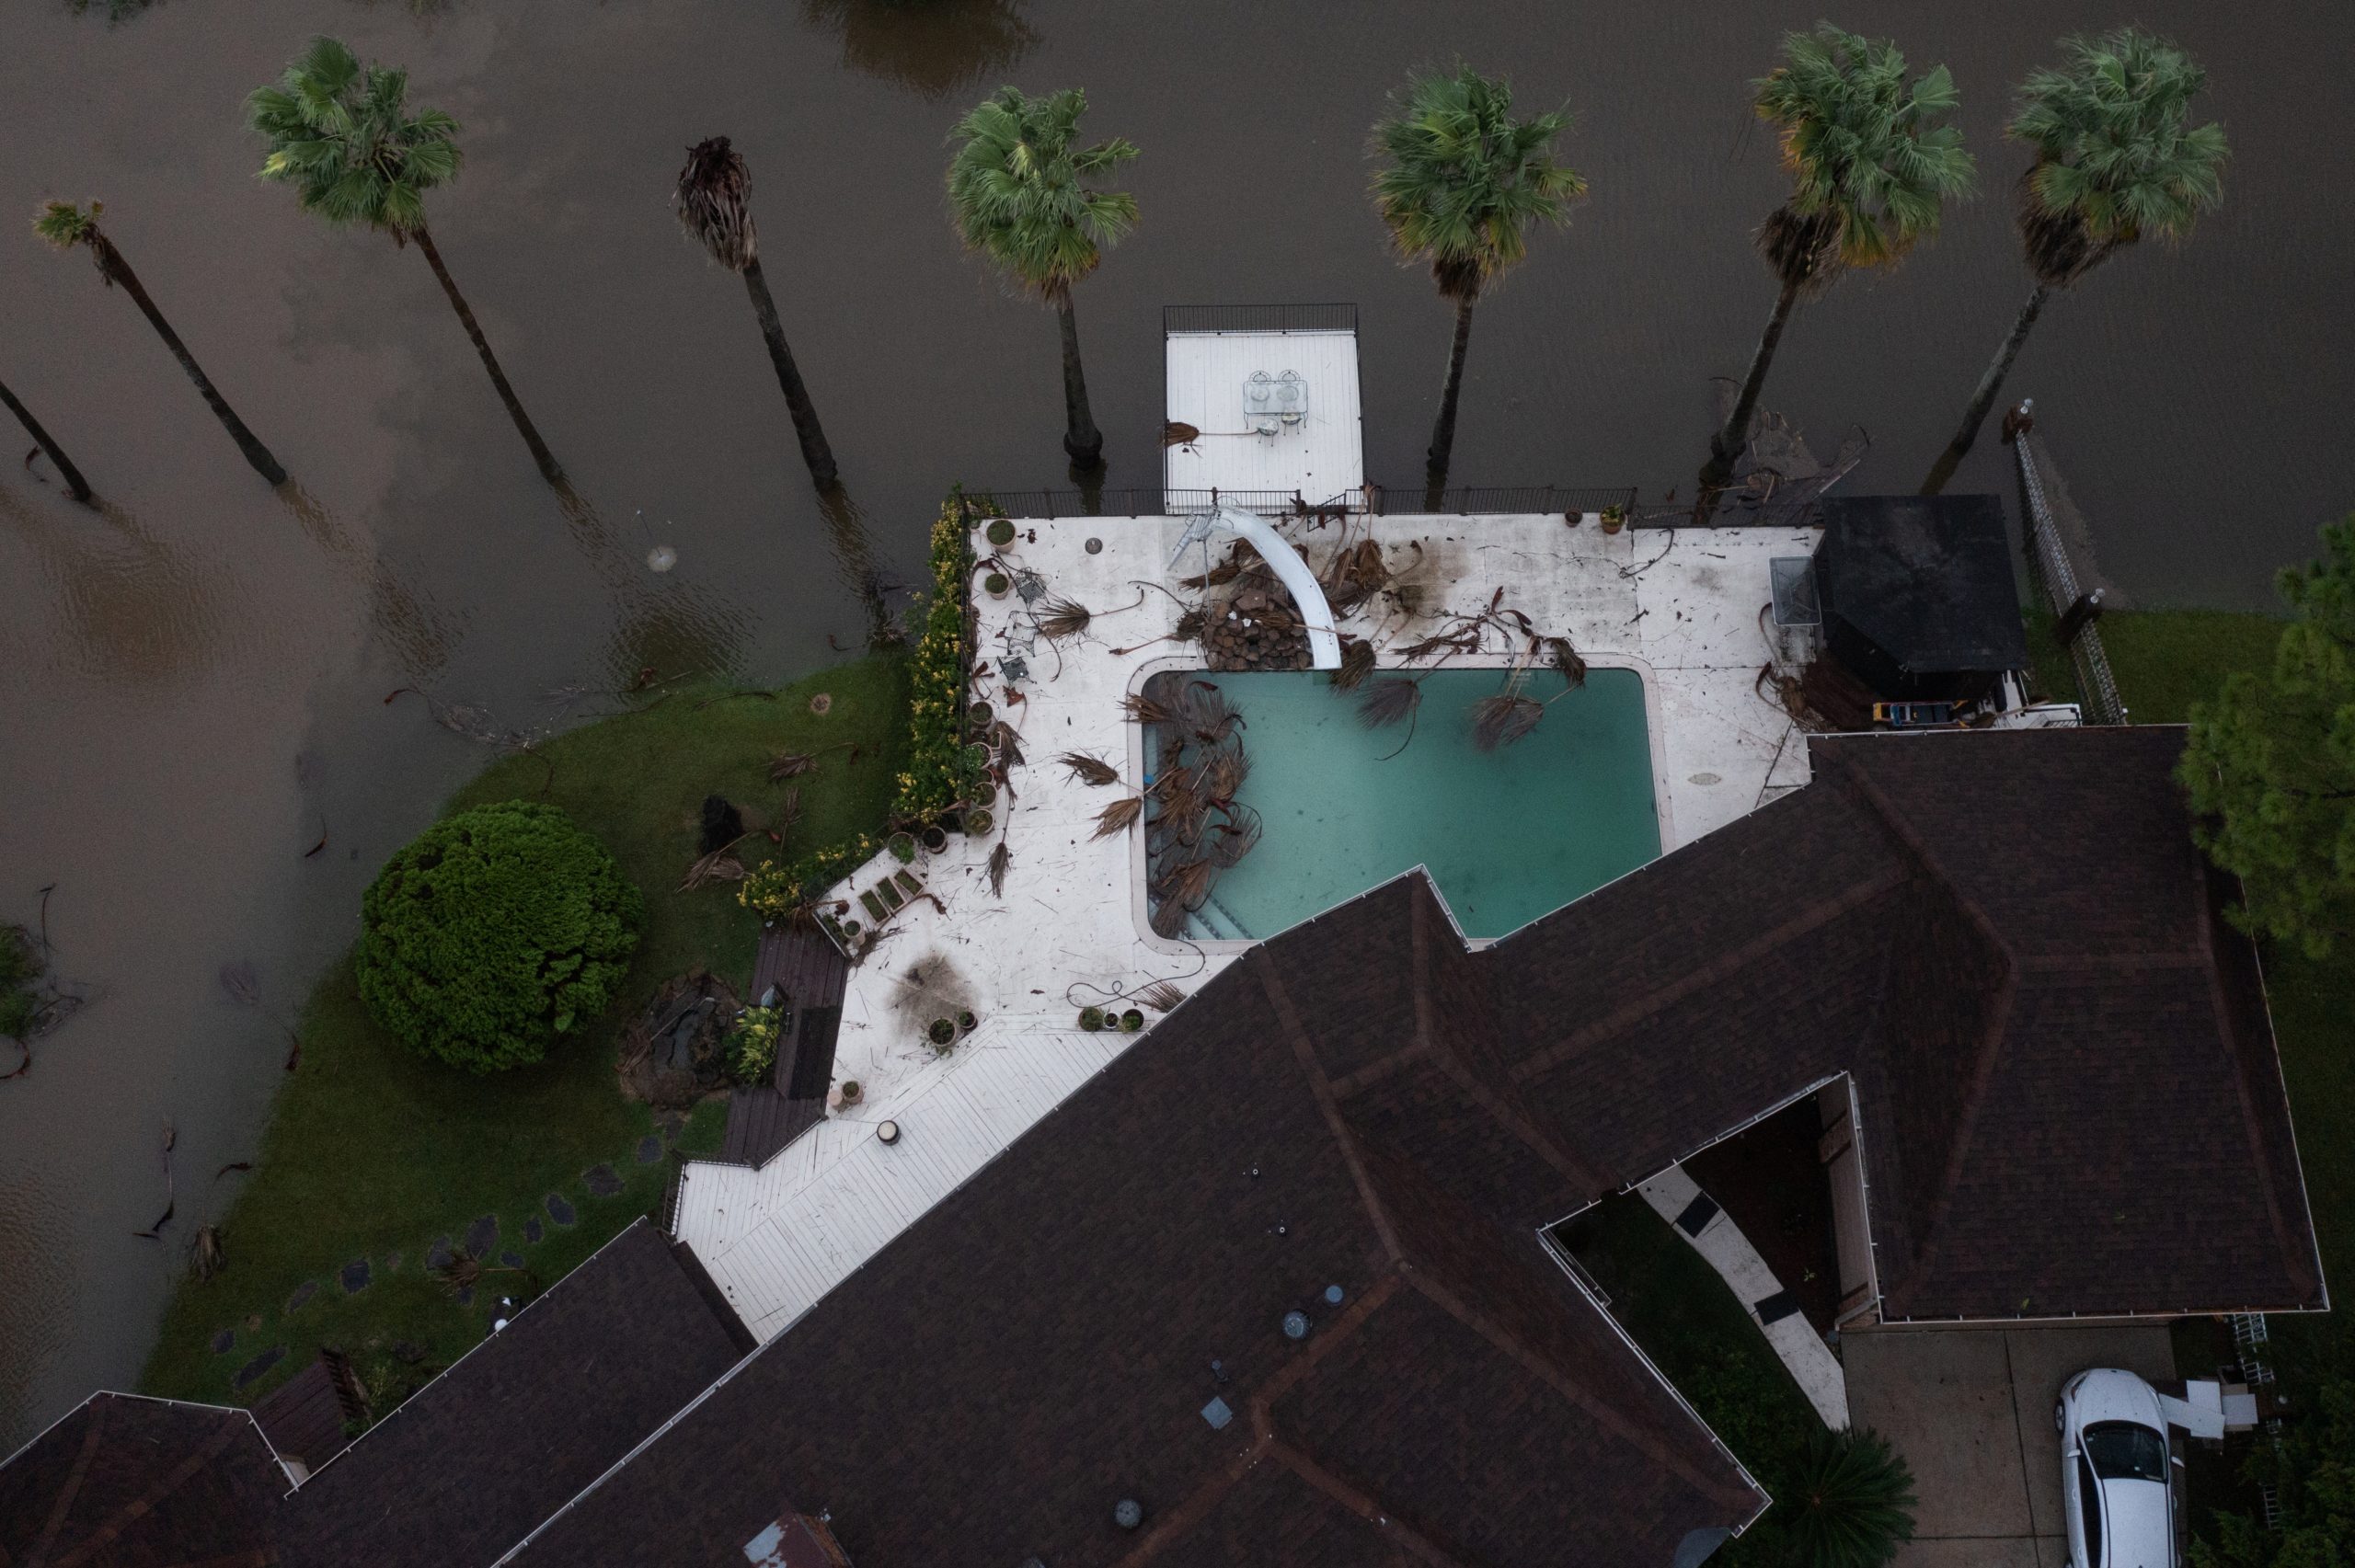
(372, 1152)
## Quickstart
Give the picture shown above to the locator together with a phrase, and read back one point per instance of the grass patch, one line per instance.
(1688, 1320)
(372, 1152)
(2165, 660)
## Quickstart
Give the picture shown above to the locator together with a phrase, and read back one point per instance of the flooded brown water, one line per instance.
(191, 679)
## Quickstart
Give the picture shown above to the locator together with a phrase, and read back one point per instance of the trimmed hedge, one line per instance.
(495, 933)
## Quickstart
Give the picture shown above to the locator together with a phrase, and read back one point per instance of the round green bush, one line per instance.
(494, 934)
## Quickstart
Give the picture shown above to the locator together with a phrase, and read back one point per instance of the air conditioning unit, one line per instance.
(1282, 398)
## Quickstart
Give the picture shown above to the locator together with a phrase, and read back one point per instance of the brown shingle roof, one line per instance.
(131, 1483)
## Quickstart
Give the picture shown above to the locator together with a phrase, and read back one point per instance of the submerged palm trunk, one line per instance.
(1443, 445)
(118, 270)
(1725, 447)
(814, 450)
(1082, 440)
(1984, 397)
(73, 479)
(540, 453)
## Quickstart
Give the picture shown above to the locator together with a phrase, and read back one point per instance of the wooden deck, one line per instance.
(809, 974)
(307, 1417)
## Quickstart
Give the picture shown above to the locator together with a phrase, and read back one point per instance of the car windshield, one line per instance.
(2122, 1450)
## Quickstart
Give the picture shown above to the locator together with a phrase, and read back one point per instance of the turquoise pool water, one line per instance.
(1508, 835)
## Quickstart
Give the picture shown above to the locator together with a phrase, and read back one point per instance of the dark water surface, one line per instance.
(192, 680)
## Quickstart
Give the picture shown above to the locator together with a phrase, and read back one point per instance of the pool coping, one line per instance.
(1132, 777)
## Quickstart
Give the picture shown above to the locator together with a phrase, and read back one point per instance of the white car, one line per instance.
(2117, 1476)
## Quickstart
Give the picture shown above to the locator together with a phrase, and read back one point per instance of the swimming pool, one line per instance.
(1508, 835)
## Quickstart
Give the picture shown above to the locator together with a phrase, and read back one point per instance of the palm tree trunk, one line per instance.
(1082, 440)
(118, 270)
(1990, 386)
(1443, 445)
(73, 479)
(1725, 447)
(814, 450)
(540, 453)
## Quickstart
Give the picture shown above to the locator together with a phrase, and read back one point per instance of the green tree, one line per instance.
(1461, 184)
(1019, 195)
(65, 225)
(2270, 765)
(2116, 159)
(714, 201)
(1849, 1502)
(2311, 1468)
(1872, 162)
(73, 475)
(343, 136)
(494, 934)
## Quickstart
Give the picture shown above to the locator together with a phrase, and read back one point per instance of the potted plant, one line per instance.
(977, 757)
(1000, 532)
(979, 820)
(1614, 518)
(966, 1021)
(1091, 1019)
(903, 847)
(1132, 1021)
(941, 1032)
(936, 838)
(996, 584)
(850, 1091)
(978, 717)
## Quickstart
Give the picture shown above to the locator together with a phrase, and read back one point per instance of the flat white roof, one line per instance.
(1321, 454)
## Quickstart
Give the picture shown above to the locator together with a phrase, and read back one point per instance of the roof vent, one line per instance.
(1333, 1294)
(1295, 1324)
(1218, 1412)
(1128, 1512)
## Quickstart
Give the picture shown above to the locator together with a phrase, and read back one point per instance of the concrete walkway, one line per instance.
(1719, 1241)
(1971, 1411)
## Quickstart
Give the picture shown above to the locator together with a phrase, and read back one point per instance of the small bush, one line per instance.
(752, 1049)
(1850, 1503)
(495, 933)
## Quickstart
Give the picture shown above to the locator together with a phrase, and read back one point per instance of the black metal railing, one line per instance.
(1379, 500)
(1258, 318)
(2049, 568)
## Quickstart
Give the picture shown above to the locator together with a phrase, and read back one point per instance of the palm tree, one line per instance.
(65, 225)
(1019, 195)
(1871, 165)
(2116, 158)
(343, 136)
(74, 480)
(714, 203)
(1464, 184)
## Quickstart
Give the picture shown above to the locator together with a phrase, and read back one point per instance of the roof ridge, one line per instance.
(1912, 842)
(1321, 1089)
(1365, 1504)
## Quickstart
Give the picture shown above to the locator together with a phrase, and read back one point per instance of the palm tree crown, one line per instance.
(342, 135)
(1464, 182)
(714, 198)
(1871, 161)
(2116, 156)
(1018, 189)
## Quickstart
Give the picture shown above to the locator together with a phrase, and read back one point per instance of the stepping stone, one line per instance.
(1775, 1307)
(354, 1276)
(559, 1210)
(438, 1254)
(512, 1260)
(1697, 1214)
(649, 1149)
(302, 1293)
(223, 1341)
(602, 1180)
(532, 1230)
(258, 1364)
(481, 1234)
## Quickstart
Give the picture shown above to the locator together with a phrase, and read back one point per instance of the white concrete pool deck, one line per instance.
(1681, 608)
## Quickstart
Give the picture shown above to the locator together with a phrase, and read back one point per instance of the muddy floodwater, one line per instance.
(196, 755)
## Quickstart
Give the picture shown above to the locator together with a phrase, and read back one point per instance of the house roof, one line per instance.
(125, 1480)
(2070, 1096)
(1044, 1342)
(525, 1419)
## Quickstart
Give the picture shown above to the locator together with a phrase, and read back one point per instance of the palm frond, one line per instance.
(1062, 618)
(1000, 859)
(1161, 996)
(791, 765)
(1357, 663)
(1119, 817)
(1388, 701)
(1564, 659)
(1087, 770)
(1144, 708)
(713, 199)
(1502, 718)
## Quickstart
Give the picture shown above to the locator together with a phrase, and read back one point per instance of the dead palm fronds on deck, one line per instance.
(1001, 858)
(1145, 709)
(1091, 771)
(1161, 996)
(1357, 663)
(1119, 817)
(1061, 619)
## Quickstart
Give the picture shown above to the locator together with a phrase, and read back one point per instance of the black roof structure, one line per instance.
(1917, 593)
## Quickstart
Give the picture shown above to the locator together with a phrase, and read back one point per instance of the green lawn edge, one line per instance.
(372, 1151)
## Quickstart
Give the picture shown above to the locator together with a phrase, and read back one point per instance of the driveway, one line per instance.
(1971, 1411)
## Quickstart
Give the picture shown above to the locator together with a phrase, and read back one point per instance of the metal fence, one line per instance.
(2048, 562)
(1258, 318)
(1379, 500)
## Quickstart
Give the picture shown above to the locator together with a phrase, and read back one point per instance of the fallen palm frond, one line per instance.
(720, 865)
(1168, 919)
(790, 764)
(1090, 771)
(463, 1271)
(1223, 776)
(788, 812)
(1062, 618)
(1230, 841)
(1503, 717)
(1190, 884)
(1560, 656)
(1389, 701)
(1357, 663)
(1176, 432)
(207, 1257)
(1193, 622)
(1145, 709)
(1119, 817)
(1008, 745)
(1161, 996)
(1209, 717)
(1000, 859)
(1356, 573)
